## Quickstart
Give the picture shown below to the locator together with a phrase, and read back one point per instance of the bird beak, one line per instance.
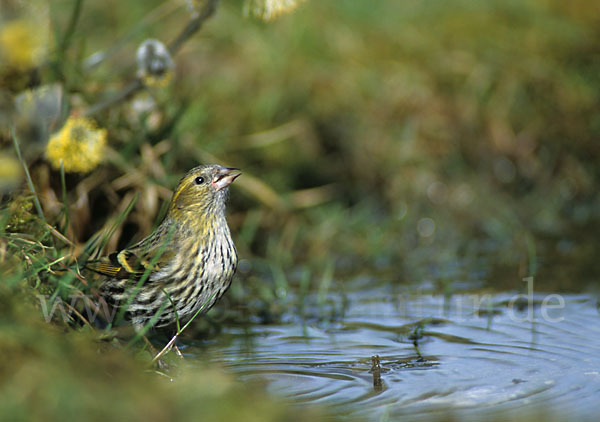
(224, 177)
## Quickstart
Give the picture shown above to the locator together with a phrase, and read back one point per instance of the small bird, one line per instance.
(182, 267)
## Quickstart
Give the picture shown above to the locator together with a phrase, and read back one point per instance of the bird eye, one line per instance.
(199, 180)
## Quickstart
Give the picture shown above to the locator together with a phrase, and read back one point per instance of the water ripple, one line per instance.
(435, 357)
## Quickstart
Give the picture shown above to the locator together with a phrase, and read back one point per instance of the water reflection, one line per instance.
(425, 354)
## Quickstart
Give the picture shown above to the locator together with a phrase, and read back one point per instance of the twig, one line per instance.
(59, 235)
(125, 93)
(194, 25)
(191, 28)
(78, 314)
(75, 273)
(159, 13)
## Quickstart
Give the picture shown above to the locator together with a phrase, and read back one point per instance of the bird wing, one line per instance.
(129, 264)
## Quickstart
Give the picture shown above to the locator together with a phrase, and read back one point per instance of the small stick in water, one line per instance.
(376, 371)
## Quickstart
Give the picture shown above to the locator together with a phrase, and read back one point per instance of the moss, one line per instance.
(49, 373)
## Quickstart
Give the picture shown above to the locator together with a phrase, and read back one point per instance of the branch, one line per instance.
(193, 26)
(190, 29)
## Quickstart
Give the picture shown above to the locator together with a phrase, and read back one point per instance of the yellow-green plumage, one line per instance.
(191, 257)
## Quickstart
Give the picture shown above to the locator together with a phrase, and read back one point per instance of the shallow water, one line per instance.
(474, 355)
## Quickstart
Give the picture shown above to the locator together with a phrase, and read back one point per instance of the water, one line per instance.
(473, 355)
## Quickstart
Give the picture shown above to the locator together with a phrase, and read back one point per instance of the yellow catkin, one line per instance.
(271, 9)
(21, 45)
(79, 145)
(11, 172)
(158, 81)
(155, 65)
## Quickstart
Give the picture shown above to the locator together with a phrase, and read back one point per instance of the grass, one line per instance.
(405, 142)
(74, 373)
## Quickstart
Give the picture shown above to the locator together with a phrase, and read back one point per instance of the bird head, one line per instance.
(203, 190)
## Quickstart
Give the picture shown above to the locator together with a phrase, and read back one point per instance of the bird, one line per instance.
(185, 265)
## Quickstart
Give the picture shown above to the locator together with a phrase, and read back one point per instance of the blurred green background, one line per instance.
(434, 132)
(407, 142)
(400, 136)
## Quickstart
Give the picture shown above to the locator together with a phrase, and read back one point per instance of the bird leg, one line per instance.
(170, 345)
(177, 351)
